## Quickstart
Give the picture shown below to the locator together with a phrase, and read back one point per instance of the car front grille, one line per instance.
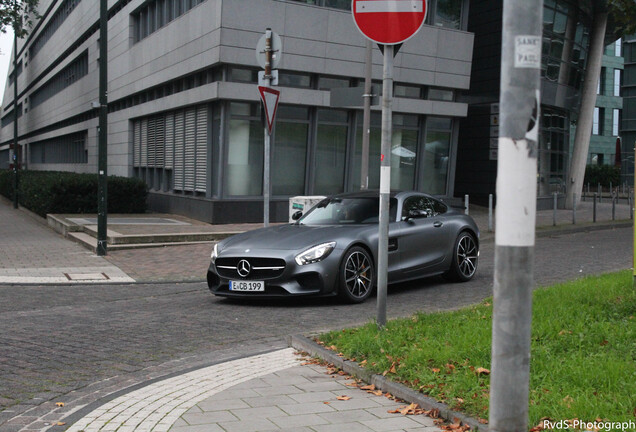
(250, 268)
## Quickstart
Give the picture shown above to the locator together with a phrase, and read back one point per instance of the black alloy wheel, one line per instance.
(465, 257)
(357, 275)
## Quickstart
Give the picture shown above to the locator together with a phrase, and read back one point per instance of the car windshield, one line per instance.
(345, 211)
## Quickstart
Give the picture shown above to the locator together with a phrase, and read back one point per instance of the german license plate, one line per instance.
(247, 286)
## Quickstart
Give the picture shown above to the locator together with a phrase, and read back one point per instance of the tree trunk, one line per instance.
(586, 113)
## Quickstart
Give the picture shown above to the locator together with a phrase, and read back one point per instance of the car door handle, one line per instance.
(437, 224)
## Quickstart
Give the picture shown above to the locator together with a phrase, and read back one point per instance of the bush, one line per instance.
(603, 174)
(64, 192)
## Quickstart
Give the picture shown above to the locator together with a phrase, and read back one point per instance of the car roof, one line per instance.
(374, 193)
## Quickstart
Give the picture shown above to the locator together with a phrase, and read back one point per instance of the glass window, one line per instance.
(288, 79)
(338, 4)
(616, 114)
(407, 91)
(618, 45)
(403, 157)
(436, 155)
(617, 82)
(440, 94)
(243, 75)
(403, 152)
(448, 13)
(596, 121)
(244, 171)
(289, 152)
(375, 144)
(331, 149)
(327, 83)
(421, 206)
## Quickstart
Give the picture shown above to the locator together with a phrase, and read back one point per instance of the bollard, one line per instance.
(613, 208)
(466, 204)
(490, 213)
(574, 209)
(554, 210)
(594, 210)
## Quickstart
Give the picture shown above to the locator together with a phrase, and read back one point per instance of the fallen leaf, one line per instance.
(363, 363)
(333, 348)
(376, 392)
(368, 387)
(353, 384)
(604, 343)
(326, 403)
(59, 424)
(435, 370)
(60, 404)
(482, 371)
(343, 398)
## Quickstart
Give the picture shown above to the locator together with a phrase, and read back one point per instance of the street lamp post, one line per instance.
(102, 151)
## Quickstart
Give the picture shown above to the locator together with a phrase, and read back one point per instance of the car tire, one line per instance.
(356, 276)
(464, 259)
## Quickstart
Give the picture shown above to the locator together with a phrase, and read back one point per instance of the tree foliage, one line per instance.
(19, 15)
(623, 14)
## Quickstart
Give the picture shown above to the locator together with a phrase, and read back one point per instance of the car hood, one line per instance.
(290, 237)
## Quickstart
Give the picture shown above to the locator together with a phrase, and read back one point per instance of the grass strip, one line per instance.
(583, 363)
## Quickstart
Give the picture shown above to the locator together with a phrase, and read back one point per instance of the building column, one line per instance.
(586, 113)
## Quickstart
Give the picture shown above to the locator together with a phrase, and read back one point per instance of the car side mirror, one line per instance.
(297, 215)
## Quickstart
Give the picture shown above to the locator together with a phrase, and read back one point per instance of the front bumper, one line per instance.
(316, 279)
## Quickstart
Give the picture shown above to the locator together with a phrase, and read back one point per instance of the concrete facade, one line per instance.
(189, 62)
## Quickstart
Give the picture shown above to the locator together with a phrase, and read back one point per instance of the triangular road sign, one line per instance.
(269, 96)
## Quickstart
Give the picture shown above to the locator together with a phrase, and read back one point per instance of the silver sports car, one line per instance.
(332, 249)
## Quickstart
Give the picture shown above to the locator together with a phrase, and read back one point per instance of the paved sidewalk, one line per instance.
(279, 391)
(31, 253)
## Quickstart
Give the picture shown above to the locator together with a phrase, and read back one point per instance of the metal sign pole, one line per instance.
(102, 151)
(515, 214)
(266, 142)
(366, 119)
(385, 183)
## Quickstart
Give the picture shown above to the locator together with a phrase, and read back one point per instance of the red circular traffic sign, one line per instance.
(388, 22)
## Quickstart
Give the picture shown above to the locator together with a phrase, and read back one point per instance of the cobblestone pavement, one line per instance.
(80, 344)
(77, 344)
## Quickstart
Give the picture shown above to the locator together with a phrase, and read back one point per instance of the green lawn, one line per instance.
(583, 352)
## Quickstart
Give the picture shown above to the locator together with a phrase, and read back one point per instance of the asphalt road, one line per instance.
(78, 343)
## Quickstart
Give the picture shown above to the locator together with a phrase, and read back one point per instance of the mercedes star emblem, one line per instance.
(243, 268)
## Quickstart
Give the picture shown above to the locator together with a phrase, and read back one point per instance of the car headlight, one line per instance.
(315, 254)
(215, 252)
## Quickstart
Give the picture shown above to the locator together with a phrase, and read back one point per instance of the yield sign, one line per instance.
(388, 22)
(269, 96)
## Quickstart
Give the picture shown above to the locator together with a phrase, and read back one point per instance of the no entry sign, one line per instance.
(389, 22)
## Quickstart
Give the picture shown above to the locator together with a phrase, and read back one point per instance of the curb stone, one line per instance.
(305, 344)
